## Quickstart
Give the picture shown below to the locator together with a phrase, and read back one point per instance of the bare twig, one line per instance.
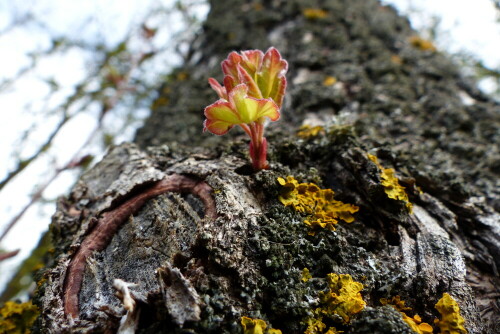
(8, 255)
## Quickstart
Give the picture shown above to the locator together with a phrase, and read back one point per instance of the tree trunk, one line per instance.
(207, 241)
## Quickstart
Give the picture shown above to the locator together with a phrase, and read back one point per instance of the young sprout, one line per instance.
(254, 87)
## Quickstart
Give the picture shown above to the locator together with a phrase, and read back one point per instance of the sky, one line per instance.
(464, 26)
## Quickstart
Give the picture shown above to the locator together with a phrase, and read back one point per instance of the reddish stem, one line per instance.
(258, 147)
(110, 221)
(247, 130)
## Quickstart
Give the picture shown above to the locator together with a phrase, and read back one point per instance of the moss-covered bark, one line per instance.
(407, 105)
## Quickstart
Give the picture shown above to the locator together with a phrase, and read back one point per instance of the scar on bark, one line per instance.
(110, 221)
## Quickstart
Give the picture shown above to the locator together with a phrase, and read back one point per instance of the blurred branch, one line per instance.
(8, 255)
(485, 71)
(26, 162)
(34, 198)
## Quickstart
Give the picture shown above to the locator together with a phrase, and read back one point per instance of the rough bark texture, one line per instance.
(409, 106)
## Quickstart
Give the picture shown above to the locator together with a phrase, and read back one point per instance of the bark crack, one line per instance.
(110, 221)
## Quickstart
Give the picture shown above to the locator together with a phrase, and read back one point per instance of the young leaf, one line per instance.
(271, 79)
(220, 90)
(223, 115)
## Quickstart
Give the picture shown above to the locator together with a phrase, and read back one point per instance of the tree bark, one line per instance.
(199, 273)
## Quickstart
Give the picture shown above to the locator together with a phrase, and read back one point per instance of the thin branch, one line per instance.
(26, 162)
(8, 255)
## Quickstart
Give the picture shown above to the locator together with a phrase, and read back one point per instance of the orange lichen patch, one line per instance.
(256, 326)
(451, 321)
(314, 13)
(414, 322)
(318, 204)
(422, 44)
(17, 318)
(308, 131)
(329, 81)
(391, 184)
(305, 275)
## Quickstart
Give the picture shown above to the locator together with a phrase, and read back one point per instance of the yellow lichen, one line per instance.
(343, 298)
(305, 275)
(17, 318)
(253, 326)
(422, 44)
(341, 301)
(329, 81)
(451, 321)
(314, 13)
(395, 302)
(308, 131)
(315, 325)
(414, 322)
(274, 331)
(256, 326)
(318, 204)
(391, 184)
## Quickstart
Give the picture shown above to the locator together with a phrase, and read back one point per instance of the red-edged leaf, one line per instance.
(267, 108)
(251, 109)
(280, 94)
(221, 91)
(218, 128)
(229, 83)
(229, 65)
(252, 61)
(245, 78)
(220, 117)
(269, 79)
